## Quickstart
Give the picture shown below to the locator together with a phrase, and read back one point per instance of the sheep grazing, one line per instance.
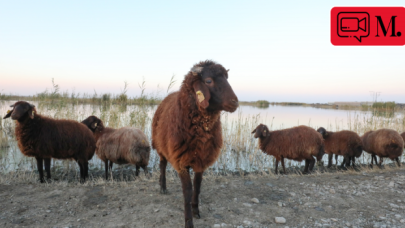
(127, 145)
(45, 138)
(345, 143)
(383, 143)
(186, 128)
(297, 143)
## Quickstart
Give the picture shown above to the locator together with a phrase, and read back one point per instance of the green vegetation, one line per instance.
(384, 105)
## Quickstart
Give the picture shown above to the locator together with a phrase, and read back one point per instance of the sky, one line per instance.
(278, 51)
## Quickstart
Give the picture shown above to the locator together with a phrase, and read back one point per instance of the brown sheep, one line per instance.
(45, 138)
(127, 145)
(297, 143)
(383, 143)
(186, 128)
(345, 143)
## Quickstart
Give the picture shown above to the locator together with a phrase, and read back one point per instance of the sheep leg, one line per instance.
(106, 169)
(196, 193)
(381, 161)
(346, 161)
(81, 166)
(137, 170)
(330, 157)
(111, 165)
(306, 166)
(375, 159)
(162, 180)
(40, 168)
(353, 162)
(86, 169)
(282, 163)
(311, 164)
(145, 169)
(398, 162)
(48, 168)
(336, 159)
(276, 171)
(187, 194)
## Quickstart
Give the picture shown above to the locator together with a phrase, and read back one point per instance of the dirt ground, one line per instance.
(366, 198)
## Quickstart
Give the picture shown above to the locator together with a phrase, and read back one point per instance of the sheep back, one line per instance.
(55, 138)
(179, 136)
(343, 143)
(383, 143)
(124, 145)
(297, 143)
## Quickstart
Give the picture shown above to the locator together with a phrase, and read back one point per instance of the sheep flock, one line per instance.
(187, 133)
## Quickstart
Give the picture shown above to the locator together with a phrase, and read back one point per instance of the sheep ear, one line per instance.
(31, 113)
(202, 94)
(196, 70)
(9, 112)
(94, 125)
(254, 131)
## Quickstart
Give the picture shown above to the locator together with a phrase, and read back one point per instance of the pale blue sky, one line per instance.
(277, 51)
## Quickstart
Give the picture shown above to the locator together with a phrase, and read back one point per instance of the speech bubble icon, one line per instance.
(353, 24)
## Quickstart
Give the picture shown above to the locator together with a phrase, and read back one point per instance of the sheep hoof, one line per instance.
(189, 224)
(163, 191)
(196, 213)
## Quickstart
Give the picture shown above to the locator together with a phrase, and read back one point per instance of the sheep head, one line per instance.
(211, 88)
(93, 123)
(323, 132)
(261, 131)
(21, 111)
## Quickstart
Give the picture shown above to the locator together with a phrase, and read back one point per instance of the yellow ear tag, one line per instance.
(33, 113)
(8, 111)
(95, 124)
(200, 96)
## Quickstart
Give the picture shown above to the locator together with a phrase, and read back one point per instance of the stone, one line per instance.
(319, 209)
(332, 191)
(333, 219)
(247, 222)
(280, 220)
(394, 205)
(247, 204)
(248, 183)
(217, 226)
(391, 184)
(255, 200)
(402, 221)
(217, 216)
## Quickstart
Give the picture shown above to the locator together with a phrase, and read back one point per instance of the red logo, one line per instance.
(367, 26)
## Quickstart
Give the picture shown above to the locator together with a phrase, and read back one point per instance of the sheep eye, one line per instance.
(208, 81)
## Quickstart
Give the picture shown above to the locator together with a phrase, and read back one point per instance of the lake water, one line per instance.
(240, 151)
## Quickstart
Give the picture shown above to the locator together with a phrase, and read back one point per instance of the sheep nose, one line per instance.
(235, 102)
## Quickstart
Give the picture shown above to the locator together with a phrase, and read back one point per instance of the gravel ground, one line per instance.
(366, 198)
